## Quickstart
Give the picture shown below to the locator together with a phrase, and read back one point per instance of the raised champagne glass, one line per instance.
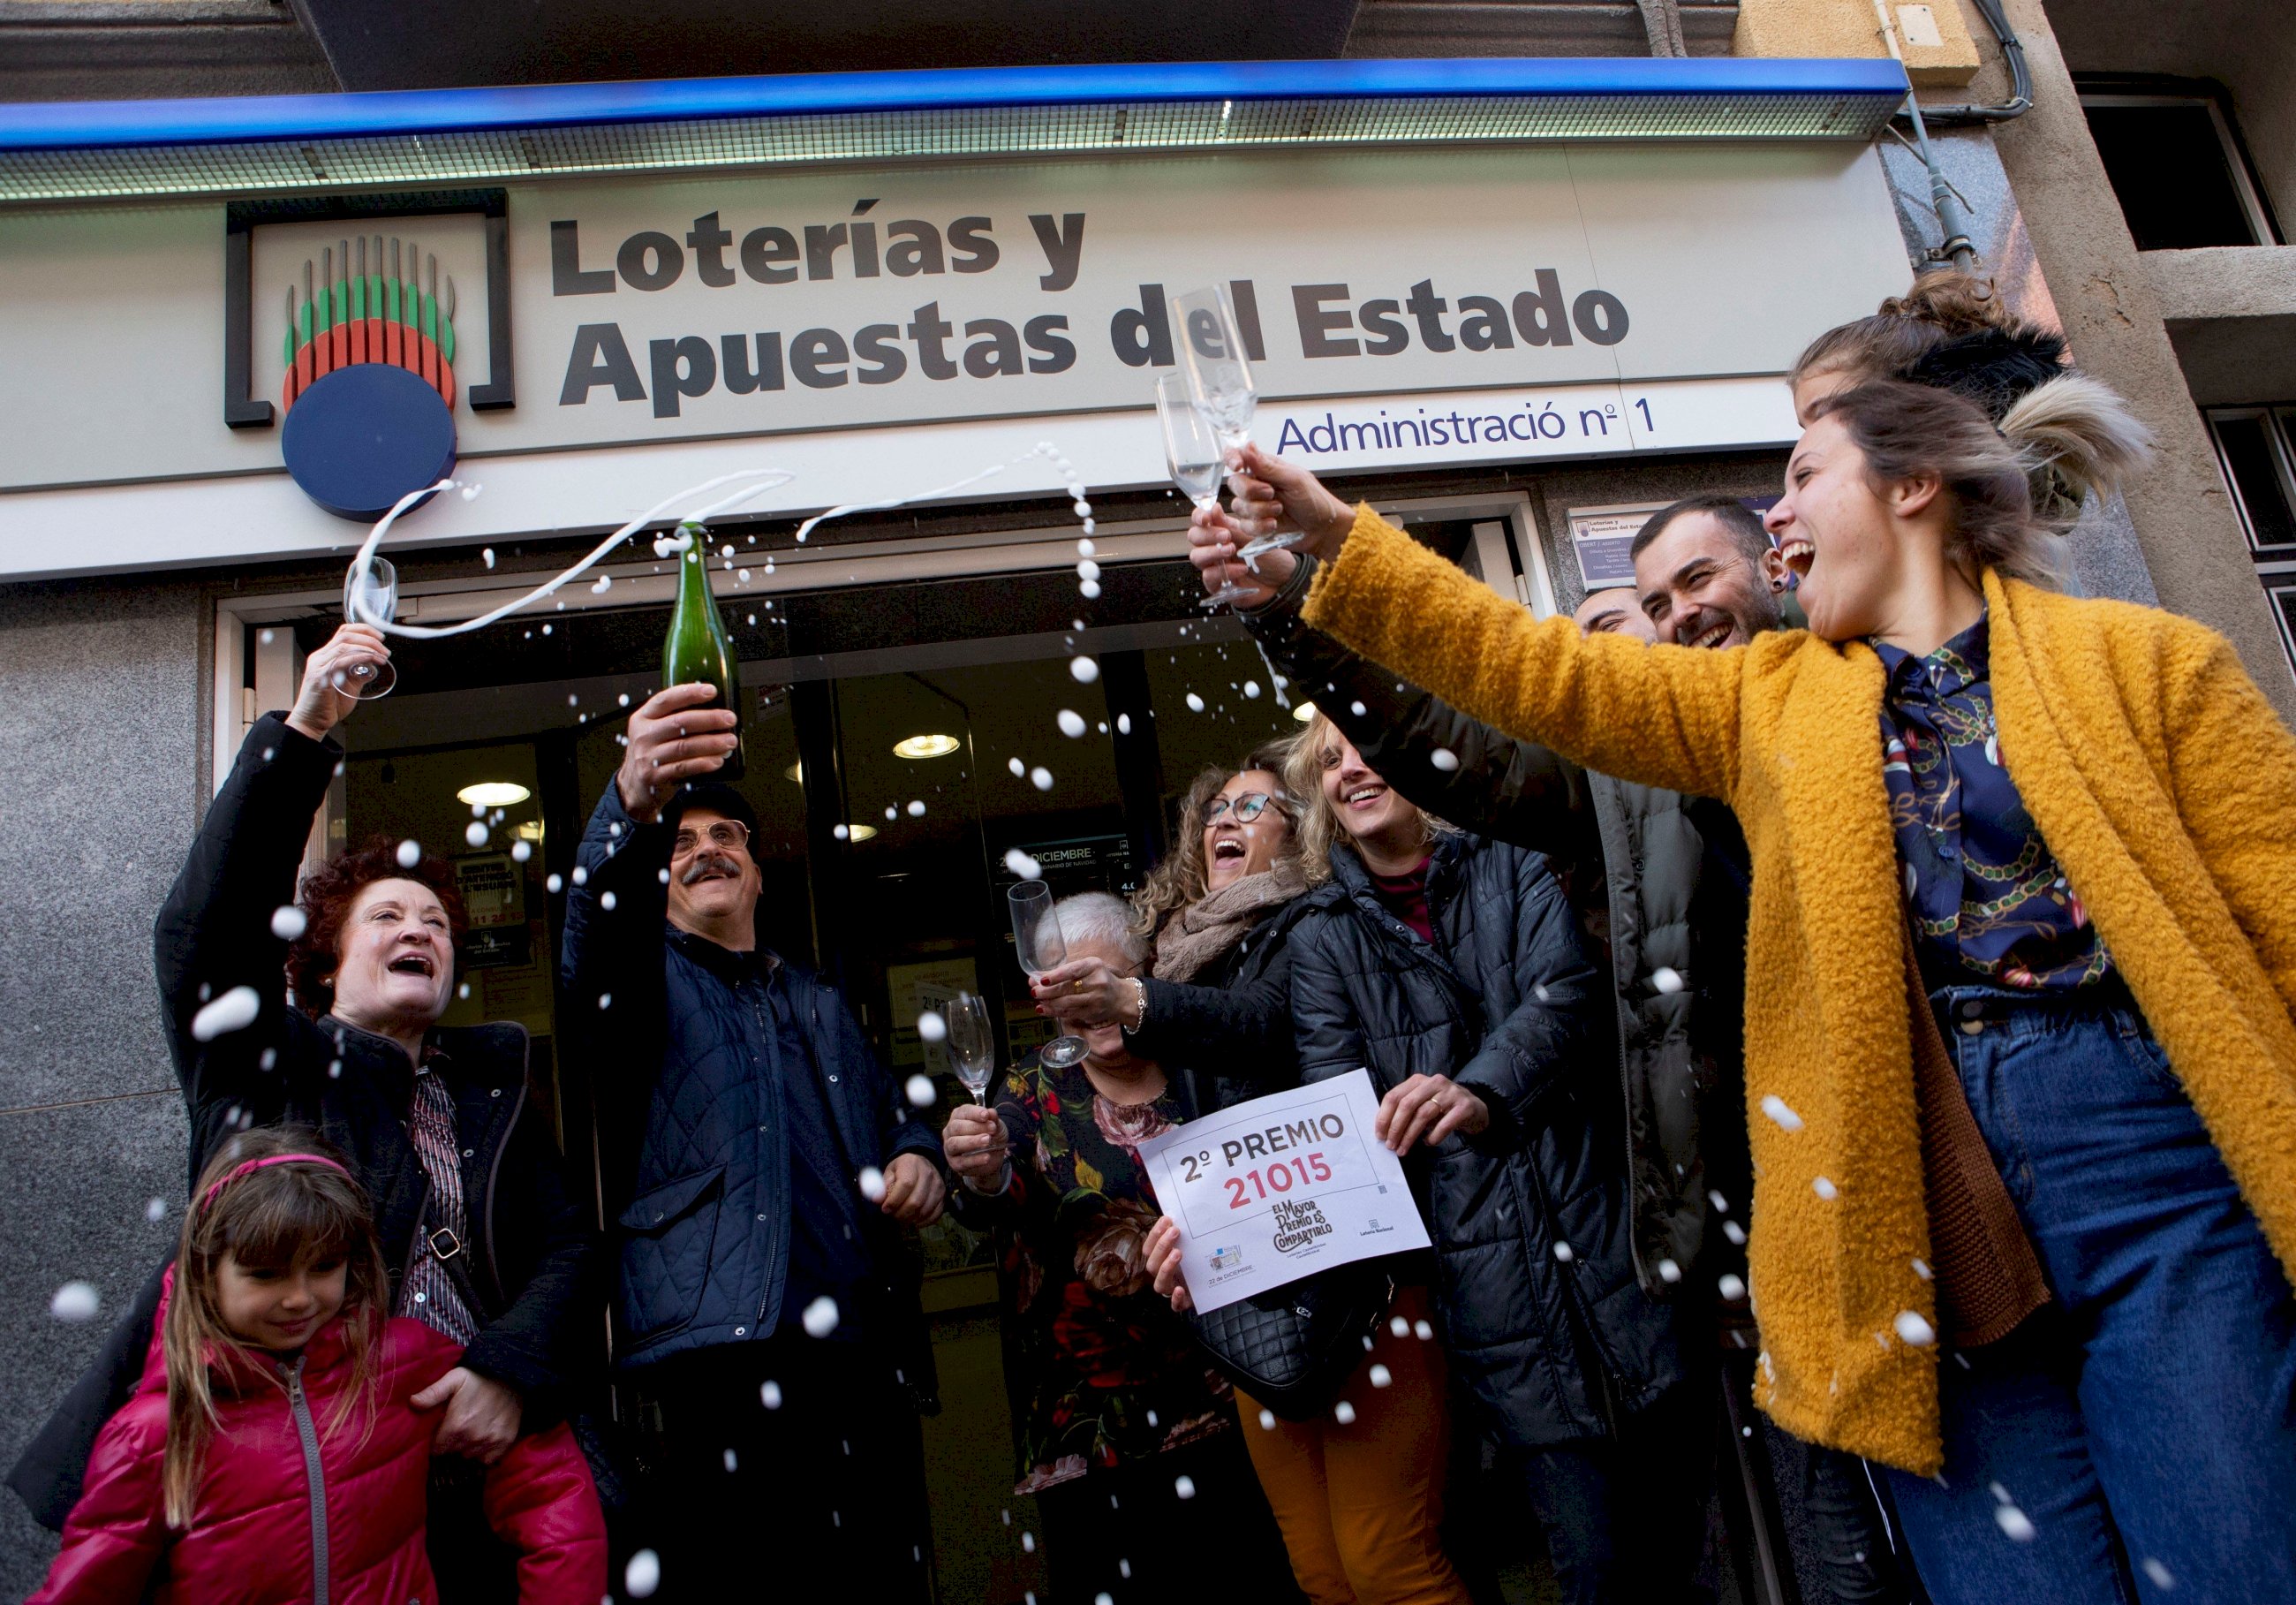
(971, 1044)
(370, 597)
(1218, 370)
(1037, 938)
(1192, 453)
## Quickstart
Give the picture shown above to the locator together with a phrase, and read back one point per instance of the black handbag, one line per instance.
(1291, 1348)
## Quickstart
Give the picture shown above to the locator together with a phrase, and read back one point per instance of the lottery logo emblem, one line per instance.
(369, 393)
(1226, 1259)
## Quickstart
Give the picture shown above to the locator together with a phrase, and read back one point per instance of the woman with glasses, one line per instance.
(1215, 1001)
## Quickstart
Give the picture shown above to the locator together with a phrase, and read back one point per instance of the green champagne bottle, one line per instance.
(697, 649)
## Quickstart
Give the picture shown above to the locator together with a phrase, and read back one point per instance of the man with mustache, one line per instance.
(1671, 876)
(768, 1314)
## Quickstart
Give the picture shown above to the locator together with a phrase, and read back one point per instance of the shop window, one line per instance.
(2177, 163)
(2256, 448)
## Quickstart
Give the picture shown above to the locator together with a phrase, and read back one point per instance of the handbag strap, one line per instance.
(1988, 1277)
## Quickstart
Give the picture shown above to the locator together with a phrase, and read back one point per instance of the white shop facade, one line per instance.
(1504, 301)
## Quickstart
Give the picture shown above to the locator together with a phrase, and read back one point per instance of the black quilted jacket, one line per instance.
(1543, 1317)
(705, 1238)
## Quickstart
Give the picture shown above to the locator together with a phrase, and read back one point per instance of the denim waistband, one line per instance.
(2109, 1001)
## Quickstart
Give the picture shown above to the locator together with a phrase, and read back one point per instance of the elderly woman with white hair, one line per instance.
(1126, 1435)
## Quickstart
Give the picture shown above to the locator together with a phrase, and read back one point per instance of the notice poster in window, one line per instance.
(915, 988)
(1602, 537)
(494, 897)
(1268, 1191)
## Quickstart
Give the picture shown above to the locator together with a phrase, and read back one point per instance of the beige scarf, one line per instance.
(1202, 932)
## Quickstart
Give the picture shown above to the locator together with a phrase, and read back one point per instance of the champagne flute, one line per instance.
(1037, 938)
(1192, 453)
(1220, 382)
(971, 1044)
(370, 595)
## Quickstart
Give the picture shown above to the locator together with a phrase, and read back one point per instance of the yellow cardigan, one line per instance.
(2157, 773)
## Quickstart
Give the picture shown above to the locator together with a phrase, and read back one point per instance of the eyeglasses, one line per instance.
(727, 836)
(1248, 807)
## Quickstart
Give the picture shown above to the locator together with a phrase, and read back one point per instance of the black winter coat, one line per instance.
(1225, 1035)
(686, 1052)
(1543, 1318)
(1679, 1036)
(531, 1271)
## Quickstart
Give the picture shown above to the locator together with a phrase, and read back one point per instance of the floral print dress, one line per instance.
(1100, 1371)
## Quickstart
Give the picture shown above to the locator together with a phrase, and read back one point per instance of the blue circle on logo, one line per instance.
(364, 436)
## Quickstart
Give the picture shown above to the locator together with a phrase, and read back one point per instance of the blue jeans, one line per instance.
(2144, 1425)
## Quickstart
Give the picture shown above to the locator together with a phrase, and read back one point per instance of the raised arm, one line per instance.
(1661, 715)
(1502, 787)
(214, 931)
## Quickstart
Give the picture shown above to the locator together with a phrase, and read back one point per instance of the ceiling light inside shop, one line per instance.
(493, 793)
(926, 746)
(796, 771)
(859, 833)
(529, 830)
(1304, 711)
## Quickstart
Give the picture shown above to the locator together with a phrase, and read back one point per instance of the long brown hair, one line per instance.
(1319, 827)
(1910, 430)
(1179, 880)
(278, 1216)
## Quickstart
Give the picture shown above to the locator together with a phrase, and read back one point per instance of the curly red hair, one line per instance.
(326, 898)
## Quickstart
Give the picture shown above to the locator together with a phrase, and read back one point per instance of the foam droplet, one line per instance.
(1380, 1376)
(1422, 1331)
(410, 853)
(75, 1301)
(643, 1575)
(1184, 1487)
(916, 808)
(1824, 1189)
(155, 1209)
(820, 1317)
(1071, 721)
(555, 885)
(1084, 669)
(2015, 1523)
(1344, 1413)
(1444, 759)
(770, 1396)
(872, 1183)
(1195, 703)
(475, 833)
(1041, 778)
(1666, 979)
(1775, 1108)
(1668, 1271)
(919, 1090)
(1914, 1329)
(1731, 1287)
(1124, 724)
(288, 922)
(519, 852)
(932, 1027)
(1563, 1253)
(235, 1010)
(1268, 1420)
(1022, 866)
(1020, 769)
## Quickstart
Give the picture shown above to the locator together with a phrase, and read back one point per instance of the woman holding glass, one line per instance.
(1127, 1436)
(1214, 1007)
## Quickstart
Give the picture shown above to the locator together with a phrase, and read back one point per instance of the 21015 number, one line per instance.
(1275, 1179)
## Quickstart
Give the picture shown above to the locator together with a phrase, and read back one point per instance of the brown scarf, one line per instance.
(1199, 934)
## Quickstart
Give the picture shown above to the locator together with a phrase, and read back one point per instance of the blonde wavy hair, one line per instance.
(1179, 879)
(1315, 751)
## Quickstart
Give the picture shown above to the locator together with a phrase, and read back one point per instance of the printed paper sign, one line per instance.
(1275, 1190)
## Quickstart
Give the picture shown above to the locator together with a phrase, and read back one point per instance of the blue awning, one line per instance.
(291, 143)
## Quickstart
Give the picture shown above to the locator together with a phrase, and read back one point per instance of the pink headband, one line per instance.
(253, 1166)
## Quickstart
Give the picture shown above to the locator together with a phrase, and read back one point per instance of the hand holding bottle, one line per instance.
(673, 738)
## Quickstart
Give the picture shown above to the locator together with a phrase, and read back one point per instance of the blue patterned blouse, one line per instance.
(1987, 901)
